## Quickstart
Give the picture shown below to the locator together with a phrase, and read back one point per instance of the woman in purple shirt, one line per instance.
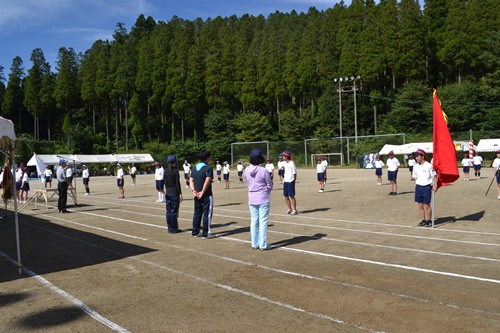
(259, 184)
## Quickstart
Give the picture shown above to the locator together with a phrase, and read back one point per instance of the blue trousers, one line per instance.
(172, 204)
(203, 208)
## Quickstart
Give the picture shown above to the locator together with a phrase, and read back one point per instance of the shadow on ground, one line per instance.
(475, 217)
(51, 317)
(297, 240)
(48, 247)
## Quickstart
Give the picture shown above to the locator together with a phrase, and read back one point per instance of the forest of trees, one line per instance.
(187, 84)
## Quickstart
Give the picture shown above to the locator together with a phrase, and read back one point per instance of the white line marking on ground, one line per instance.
(204, 280)
(345, 229)
(469, 277)
(69, 298)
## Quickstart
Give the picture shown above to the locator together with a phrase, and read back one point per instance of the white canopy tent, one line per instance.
(88, 159)
(7, 143)
(487, 145)
(425, 146)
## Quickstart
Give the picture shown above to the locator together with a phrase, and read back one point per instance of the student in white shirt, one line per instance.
(218, 170)
(379, 164)
(392, 172)
(289, 177)
(270, 168)
(133, 173)
(187, 170)
(320, 174)
(411, 164)
(477, 161)
(281, 170)
(325, 165)
(47, 174)
(69, 176)
(85, 178)
(466, 167)
(160, 182)
(496, 171)
(120, 181)
(424, 180)
(226, 171)
(25, 185)
(239, 168)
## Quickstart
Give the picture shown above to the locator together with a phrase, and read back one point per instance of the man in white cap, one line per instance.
(62, 187)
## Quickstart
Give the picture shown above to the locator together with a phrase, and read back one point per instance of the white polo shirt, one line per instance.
(290, 171)
(423, 174)
(392, 164)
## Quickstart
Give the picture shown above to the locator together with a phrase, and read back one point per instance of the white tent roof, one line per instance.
(6, 131)
(488, 145)
(87, 159)
(425, 146)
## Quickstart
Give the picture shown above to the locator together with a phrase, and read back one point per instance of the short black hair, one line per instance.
(205, 155)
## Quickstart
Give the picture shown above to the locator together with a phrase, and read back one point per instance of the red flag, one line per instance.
(444, 153)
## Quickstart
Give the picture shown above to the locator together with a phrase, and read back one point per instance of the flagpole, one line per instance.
(433, 194)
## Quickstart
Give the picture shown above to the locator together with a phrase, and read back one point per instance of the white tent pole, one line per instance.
(16, 215)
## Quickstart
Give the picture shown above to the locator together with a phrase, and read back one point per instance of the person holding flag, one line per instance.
(496, 166)
(444, 159)
(424, 179)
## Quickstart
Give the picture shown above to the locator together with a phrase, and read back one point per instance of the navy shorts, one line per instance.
(378, 171)
(423, 194)
(160, 184)
(392, 176)
(26, 187)
(289, 189)
(186, 176)
(466, 169)
(85, 181)
(240, 173)
(70, 180)
(119, 182)
(410, 168)
(48, 179)
(218, 172)
(477, 167)
(226, 176)
(281, 172)
(498, 177)
(18, 186)
(321, 176)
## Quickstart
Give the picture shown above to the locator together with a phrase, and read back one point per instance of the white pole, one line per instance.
(16, 215)
(433, 206)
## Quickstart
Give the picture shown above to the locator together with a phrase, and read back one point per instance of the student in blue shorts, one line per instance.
(424, 180)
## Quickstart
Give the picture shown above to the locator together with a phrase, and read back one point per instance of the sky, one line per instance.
(50, 24)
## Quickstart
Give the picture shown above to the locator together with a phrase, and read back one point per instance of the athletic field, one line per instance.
(353, 260)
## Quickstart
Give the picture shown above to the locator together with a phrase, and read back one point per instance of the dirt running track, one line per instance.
(352, 260)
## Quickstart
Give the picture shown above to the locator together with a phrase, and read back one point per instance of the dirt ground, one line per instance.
(352, 260)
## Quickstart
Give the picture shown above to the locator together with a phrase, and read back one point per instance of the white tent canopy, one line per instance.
(486, 145)
(425, 146)
(87, 159)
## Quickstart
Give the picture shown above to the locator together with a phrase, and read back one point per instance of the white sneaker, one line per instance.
(378, 184)
(158, 200)
(498, 197)
(321, 191)
(87, 194)
(187, 186)
(294, 212)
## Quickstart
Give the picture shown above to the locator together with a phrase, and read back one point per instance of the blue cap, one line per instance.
(171, 159)
(256, 153)
(61, 161)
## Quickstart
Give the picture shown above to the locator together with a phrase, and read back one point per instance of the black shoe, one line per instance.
(423, 223)
(428, 224)
(394, 193)
(64, 211)
(391, 193)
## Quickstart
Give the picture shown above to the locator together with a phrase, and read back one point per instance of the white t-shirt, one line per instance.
(320, 167)
(412, 162)
(159, 172)
(270, 167)
(187, 167)
(281, 164)
(218, 167)
(496, 163)
(69, 172)
(119, 173)
(423, 174)
(133, 170)
(477, 160)
(325, 163)
(239, 167)
(392, 164)
(290, 171)
(26, 179)
(465, 162)
(19, 175)
(47, 173)
(225, 169)
(85, 173)
(379, 164)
